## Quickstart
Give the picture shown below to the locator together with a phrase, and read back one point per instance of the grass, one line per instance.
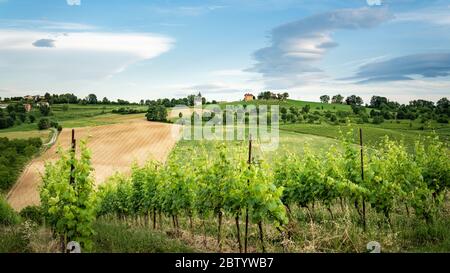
(306, 233)
(77, 116)
(44, 135)
(116, 237)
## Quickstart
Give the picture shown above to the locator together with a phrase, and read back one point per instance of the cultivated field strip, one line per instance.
(114, 148)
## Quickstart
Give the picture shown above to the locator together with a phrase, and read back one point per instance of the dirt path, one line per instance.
(114, 148)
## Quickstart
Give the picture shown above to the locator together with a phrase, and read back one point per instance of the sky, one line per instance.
(149, 49)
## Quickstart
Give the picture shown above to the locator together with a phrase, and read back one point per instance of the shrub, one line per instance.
(33, 213)
(32, 118)
(442, 119)
(378, 120)
(60, 128)
(44, 124)
(45, 110)
(8, 216)
(54, 124)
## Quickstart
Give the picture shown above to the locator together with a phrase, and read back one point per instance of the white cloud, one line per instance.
(74, 2)
(73, 60)
(296, 47)
(374, 2)
(140, 45)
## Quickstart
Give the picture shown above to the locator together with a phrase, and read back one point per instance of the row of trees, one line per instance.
(187, 101)
(382, 108)
(268, 95)
(93, 99)
(339, 99)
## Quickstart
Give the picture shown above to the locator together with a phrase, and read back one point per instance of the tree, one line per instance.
(443, 106)
(92, 99)
(157, 113)
(325, 99)
(44, 124)
(338, 99)
(32, 118)
(377, 102)
(306, 109)
(105, 101)
(285, 95)
(358, 109)
(47, 97)
(353, 99)
(45, 110)
(283, 111)
(191, 100)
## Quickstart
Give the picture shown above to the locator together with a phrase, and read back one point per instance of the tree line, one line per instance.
(383, 108)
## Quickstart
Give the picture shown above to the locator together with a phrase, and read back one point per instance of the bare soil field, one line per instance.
(114, 148)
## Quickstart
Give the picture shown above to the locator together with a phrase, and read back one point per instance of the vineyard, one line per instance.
(114, 147)
(227, 197)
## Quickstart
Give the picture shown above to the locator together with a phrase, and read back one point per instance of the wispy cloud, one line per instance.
(430, 65)
(44, 25)
(437, 16)
(73, 2)
(296, 47)
(186, 10)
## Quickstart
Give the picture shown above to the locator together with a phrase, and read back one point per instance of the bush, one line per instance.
(60, 128)
(44, 124)
(8, 216)
(45, 110)
(33, 213)
(32, 118)
(378, 120)
(54, 124)
(442, 119)
(156, 113)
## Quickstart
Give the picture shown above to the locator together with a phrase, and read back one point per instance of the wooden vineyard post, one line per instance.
(72, 167)
(248, 183)
(362, 176)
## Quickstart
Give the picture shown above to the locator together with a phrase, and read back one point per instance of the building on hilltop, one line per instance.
(249, 97)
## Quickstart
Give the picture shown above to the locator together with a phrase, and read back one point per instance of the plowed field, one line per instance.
(114, 148)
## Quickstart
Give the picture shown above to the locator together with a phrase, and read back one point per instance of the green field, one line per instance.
(75, 117)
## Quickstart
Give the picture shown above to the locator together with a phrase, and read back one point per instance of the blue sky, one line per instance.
(140, 49)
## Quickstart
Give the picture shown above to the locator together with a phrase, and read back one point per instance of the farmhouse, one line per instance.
(249, 97)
